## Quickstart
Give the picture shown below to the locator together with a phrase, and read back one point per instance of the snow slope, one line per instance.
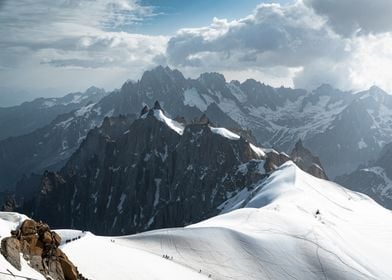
(277, 235)
(177, 127)
(288, 226)
(225, 133)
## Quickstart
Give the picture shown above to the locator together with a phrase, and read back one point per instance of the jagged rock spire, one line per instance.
(204, 119)
(157, 106)
(144, 110)
(299, 144)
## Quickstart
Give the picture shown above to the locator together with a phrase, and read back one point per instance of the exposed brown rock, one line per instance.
(54, 270)
(10, 249)
(69, 270)
(28, 227)
(274, 160)
(40, 246)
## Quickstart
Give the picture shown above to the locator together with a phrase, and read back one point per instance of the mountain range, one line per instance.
(29, 116)
(215, 180)
(344, 129)
(373, 179)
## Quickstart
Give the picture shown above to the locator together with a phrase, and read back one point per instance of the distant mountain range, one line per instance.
(48, 146)
(29, 116)
(342, 128)
(373, 179)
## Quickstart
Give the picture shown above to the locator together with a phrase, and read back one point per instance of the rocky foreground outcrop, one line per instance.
(39, 246)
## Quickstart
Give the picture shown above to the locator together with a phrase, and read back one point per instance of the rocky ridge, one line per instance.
(150, 173)
(39, 246)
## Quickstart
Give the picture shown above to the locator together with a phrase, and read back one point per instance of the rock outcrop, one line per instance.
(10, 249)
(40, 247)
(307, 161)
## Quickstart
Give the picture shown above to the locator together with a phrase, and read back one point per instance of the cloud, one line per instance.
(355, 17)
(315, 41)
(304, 44)
(274, 36)
(44, 37)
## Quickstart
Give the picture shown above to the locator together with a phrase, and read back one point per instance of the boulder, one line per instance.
(31, 245)
(69, 270)
(10, 249)
(53, 269)
(36, 263)
(28, 227)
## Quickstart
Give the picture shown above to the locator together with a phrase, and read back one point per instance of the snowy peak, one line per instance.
(374, 93)
(161, 74)
(158, 113)
(224, 133)
(213, 80)
(176, 126)
(290, 186)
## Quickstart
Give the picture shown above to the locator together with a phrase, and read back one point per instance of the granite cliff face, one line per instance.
(131, 176)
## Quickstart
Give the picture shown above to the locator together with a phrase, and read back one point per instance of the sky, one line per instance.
(50, 48)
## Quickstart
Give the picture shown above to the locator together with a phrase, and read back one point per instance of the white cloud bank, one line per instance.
(355, 17)
(315, 41)
(73, 44)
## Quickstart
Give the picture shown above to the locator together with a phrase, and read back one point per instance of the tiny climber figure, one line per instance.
(317, 212)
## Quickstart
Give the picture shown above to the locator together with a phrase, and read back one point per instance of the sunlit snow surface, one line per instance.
(176, 126)
(290, 226)
(225, 133)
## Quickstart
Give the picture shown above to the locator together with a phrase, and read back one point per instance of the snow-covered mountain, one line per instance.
(291, 225)
(373, 179)
(29, 116)
(130, 176)
(342, 128)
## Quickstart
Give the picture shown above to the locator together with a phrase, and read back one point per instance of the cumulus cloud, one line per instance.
(274, 36)
(355, 17)
(316, 41)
